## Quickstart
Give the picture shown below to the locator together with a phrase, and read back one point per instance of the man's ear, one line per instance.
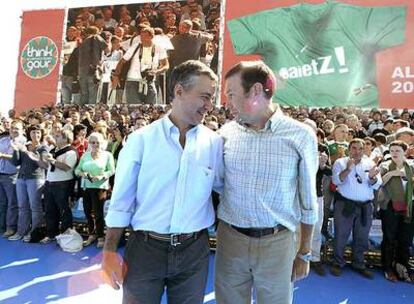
(178, 90)
(257, 89)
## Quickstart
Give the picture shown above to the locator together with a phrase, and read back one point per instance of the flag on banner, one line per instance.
(39, 53)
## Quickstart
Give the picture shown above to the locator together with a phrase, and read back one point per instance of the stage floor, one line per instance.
(34, 273)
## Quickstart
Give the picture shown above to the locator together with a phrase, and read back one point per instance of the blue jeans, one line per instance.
(8, 202)
(29, 197)
(88, 89)
(66, 89)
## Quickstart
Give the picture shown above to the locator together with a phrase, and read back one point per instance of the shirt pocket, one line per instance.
(200, 183)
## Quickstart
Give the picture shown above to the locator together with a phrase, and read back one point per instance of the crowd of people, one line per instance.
(361, 168)
(126, 52)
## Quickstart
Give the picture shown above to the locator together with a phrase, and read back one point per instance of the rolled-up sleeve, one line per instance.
(308, 167)
(124, 200)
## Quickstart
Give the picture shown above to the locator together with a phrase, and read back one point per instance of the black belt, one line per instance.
(173, 238)
(8, 174)
(259, 232)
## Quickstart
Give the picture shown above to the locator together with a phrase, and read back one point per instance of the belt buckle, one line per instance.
(175, 239)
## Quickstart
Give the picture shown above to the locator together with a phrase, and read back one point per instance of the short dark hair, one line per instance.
(320, 133)
(399, 143)
(355, 141)
(380, 137)
(371, 140)
(78, 128)
(252, 72)
(185, 72)
(36, 128)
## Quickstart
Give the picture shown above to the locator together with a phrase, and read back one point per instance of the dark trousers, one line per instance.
(57, 197)
(153, 265)
(343, 227)
(397, 238)
(93, 204)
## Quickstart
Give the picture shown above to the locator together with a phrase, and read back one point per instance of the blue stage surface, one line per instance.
(34, 273)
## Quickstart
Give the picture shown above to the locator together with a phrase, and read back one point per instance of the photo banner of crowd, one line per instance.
(113, 54)
(328, 53)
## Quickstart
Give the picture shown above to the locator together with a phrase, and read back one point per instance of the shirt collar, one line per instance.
(271, 124)
(171, 127)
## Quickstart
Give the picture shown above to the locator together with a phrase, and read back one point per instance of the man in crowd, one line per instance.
(271, 163)
(356, 178)
(59, 184)
(8, 175)
(147, 60)
(90, 54)
(171, 252)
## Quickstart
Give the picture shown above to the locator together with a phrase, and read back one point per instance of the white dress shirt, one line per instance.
(161, 187)
(349, 187)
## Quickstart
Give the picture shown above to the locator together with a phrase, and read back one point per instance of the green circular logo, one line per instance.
(39, 57)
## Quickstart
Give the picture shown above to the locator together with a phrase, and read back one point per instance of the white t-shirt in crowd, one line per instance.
(147, 61)
(70, 158)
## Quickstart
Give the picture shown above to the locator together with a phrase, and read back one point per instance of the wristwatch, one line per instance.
(306, 257)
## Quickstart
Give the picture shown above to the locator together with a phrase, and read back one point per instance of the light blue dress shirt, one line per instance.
(161, 187)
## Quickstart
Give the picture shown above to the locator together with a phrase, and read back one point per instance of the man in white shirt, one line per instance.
(59, 185)
(147, 60)
(164, 178)
(356, 178)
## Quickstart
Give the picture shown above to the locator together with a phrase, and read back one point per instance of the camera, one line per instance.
(145, 74)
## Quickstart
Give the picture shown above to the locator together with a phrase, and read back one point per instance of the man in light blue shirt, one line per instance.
(163, 183)
(8, 175)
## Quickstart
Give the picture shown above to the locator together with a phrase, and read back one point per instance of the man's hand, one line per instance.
(350, 164)
(300, 269)
(373, 172)
(113, 269)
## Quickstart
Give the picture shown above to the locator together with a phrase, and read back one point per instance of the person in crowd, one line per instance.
(397, 214)
(8, 175)
(59, 184)
(324, 171)
(262, 208)
(171, 252)
(95, 167)
(356, 178)
(118, 137)
(29, 184)
(370, 145)
(90, 55)
(147, 60)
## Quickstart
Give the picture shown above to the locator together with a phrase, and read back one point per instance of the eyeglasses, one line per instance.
(94, 142)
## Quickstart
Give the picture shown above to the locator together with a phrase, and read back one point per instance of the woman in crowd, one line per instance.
(118, 135)
(95, 167)
(80, 143)
(397, 214)
(30, 181)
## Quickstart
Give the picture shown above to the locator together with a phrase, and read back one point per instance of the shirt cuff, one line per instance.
(118, 219)
(309, 217)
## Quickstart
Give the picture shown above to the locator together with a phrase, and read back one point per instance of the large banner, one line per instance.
(328, 53)
(38, 71)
